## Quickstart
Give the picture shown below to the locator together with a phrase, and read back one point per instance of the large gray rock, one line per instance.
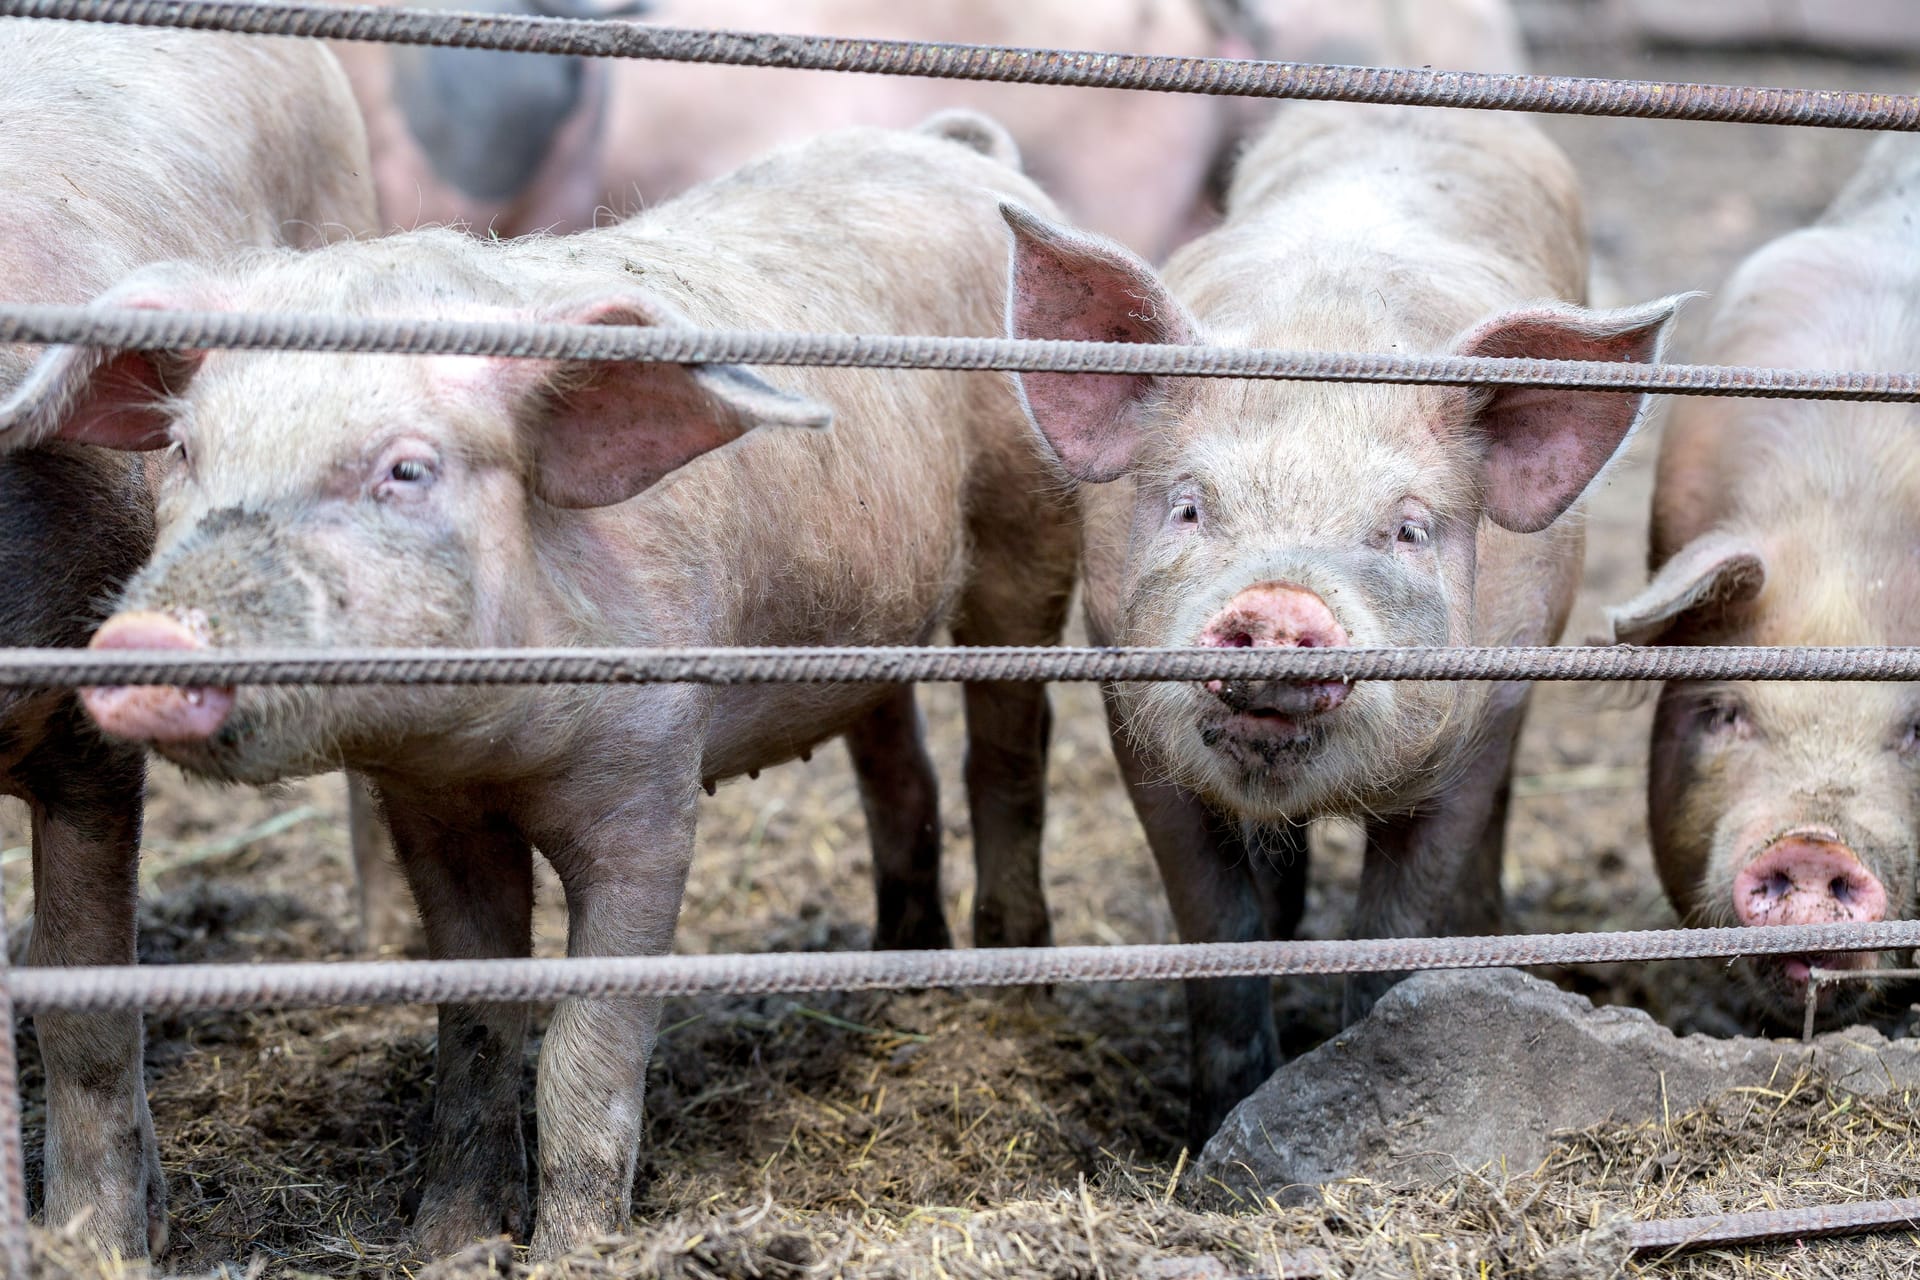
(1457, 1069)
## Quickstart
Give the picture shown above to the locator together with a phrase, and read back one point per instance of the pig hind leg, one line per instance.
(102, 1164)
(1212, 884)
(901, 796)
(1009, 727)
(1436, 872)
(473, 880)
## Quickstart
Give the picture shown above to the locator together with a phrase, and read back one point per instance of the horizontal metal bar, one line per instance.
(1763, 1226)
(129, 329)
(1556, 95)
(307, 985)
(51, 668)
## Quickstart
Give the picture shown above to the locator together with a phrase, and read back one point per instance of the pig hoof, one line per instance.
(924, 933)
(448, 1224)
(1011, 929)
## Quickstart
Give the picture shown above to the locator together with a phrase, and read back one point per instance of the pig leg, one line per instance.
(901, 797)
(101, 1161)
(387, 922)
(1009, 725)
(1206, 866)
(624, 876)
(472, 875)
(1436, 872)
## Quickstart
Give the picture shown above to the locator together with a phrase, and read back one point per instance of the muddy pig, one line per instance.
(1794, 523)
(125, 147)
(1256, 513)
(385, 500)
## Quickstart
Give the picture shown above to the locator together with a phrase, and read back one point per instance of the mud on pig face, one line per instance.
(326, 501)
(1310, 515)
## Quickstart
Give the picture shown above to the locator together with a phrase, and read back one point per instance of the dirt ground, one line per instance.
(935, 1133)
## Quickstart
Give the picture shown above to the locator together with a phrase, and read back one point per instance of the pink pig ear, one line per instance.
(1714, 570)
(93, 395)
(1546, 445)
(607, 430)
(1070, 286)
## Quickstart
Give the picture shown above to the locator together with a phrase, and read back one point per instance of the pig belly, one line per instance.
(755, 727)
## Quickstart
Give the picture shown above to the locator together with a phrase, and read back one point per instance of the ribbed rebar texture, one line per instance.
(1559, 95)
(176, 330)
(308, 985)
(51, 668)
(1767, 1225)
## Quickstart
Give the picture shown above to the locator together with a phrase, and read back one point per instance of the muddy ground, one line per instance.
(936, 1133)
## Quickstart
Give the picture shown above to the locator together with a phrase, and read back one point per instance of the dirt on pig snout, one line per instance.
(944, 1134)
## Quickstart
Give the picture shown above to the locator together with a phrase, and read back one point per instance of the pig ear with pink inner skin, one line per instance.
(1545, 445)
(1071, 286)
(608, 430)
(1714, 570)
(101, 396)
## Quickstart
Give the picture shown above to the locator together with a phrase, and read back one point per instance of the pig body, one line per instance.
(328, 500)
(1250, 513)
(501, 142)
(542, 148)
(1794, 523)
(125, 147)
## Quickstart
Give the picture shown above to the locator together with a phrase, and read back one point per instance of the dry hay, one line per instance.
(946, 1135)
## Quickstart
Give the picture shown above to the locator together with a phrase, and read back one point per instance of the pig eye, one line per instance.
(404, 477)
(1183, 511)
(1723, 716)
(1413, 534)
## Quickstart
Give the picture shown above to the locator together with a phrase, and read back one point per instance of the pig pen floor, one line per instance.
(942, 1134)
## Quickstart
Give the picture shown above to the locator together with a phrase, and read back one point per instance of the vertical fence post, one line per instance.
(13, 1174)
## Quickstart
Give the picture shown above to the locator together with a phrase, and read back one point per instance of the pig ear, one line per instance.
(1545, 445)
(91, 395)
(1067, 285)
(1714, 570)
(611, 429)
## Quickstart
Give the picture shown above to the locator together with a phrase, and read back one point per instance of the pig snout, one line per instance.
(155, 713)
(1276, 615)
(1806, 878)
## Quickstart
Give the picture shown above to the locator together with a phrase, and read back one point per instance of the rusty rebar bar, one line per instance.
(615, 38)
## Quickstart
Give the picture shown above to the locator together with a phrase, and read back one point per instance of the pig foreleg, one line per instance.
(472, 874)
(1436, 872)
(102, 1165)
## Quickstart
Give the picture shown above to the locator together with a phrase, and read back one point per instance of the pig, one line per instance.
(325, 500)
(124, 147)
(551, 141)
(1793, 523)
(1260, 513)
(501, 142)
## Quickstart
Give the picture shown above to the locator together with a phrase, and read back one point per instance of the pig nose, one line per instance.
(155, 713)
(1807, 879)
(1276, 615)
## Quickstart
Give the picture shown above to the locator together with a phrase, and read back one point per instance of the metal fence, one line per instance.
(314, 984)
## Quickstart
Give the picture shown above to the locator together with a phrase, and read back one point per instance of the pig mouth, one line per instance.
(1780, 982)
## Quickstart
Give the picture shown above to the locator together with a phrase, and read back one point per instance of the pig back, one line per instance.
(860, 534)
(1830, 490)
(154, 144)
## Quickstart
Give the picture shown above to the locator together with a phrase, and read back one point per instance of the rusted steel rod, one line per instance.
(310, 985)
(51, 668)
(1557, 95)
(174, 330)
